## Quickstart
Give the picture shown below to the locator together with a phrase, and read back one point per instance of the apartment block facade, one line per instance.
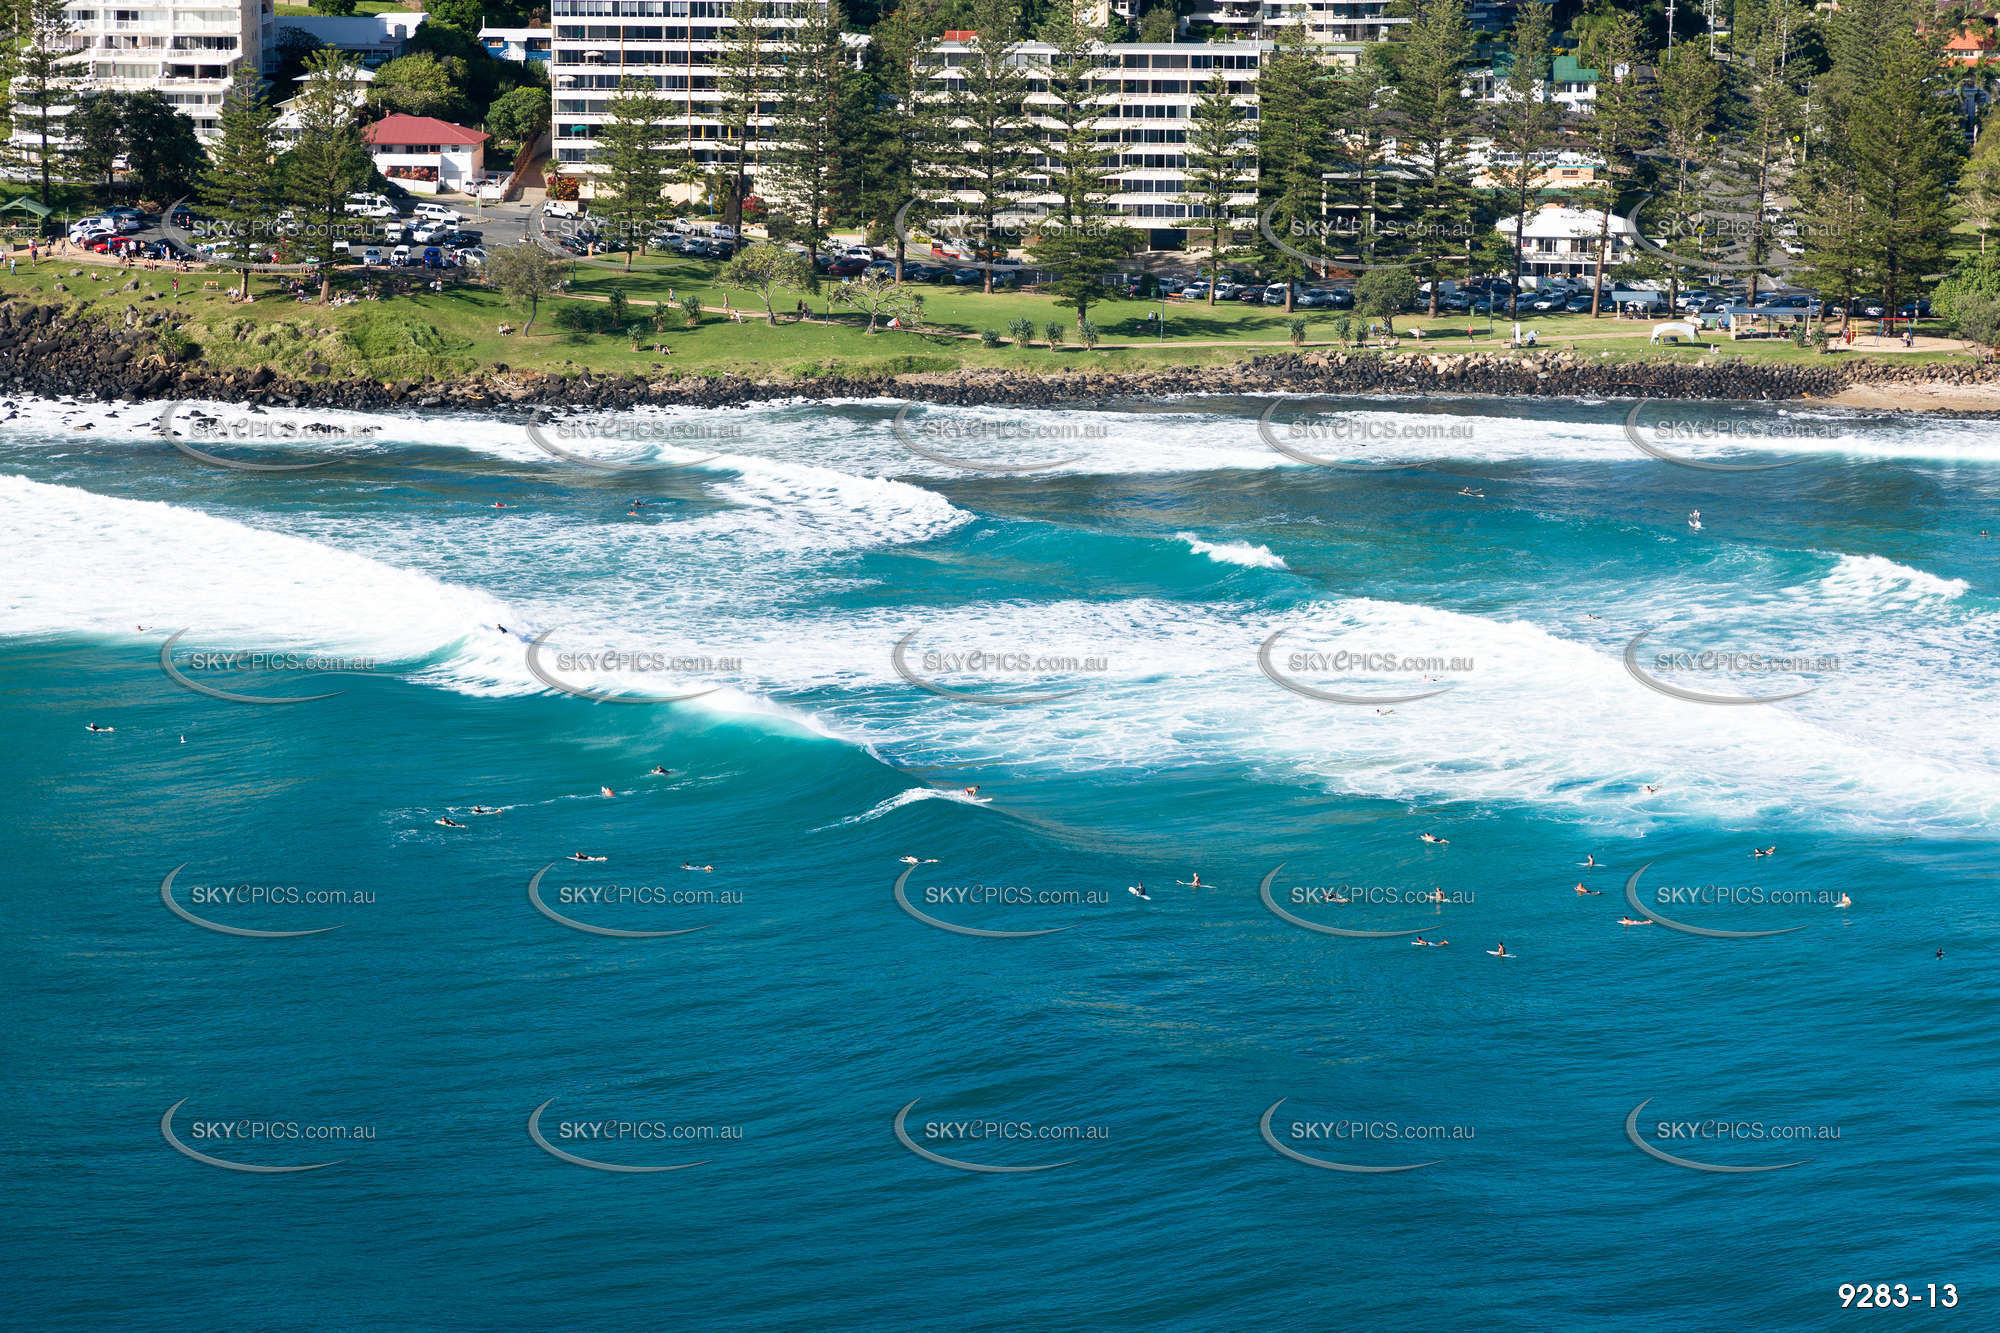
(674, 46)
(1148, 92)
(186, 49)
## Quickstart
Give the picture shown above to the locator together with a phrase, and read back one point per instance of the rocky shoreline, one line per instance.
(50, 352)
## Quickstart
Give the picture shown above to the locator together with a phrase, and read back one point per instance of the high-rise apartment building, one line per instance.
(187, 50)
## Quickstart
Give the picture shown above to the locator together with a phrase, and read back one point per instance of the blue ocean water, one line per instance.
(1078, 707)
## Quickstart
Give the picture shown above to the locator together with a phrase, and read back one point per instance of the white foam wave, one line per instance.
(108, 566)
(901, 799)
(1248, 554)
(1869, 578)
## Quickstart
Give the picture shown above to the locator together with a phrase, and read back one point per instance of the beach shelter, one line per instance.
(22, 218)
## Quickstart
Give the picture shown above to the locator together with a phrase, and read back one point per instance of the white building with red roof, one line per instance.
(425, 155)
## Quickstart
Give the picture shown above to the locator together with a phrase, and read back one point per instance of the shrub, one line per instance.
(1343, 329)
(989, 338)
(621, 313)
(1296, 327)
(1086, 333)
(1053, 331)
(691, 307)
(1022, 330)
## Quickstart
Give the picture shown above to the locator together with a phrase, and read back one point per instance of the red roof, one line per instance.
(401, 129)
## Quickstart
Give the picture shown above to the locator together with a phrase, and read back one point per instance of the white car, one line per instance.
(561, 208)
(427, 231)
(400, 255)
(436, 213)
(372, 255)
(472, 256)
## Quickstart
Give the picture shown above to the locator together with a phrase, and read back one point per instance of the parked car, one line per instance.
(1251, 294)
(427, 231)
(1195, 291)
(966, 277)
(562, 208)
(848, 266)
(462, 238)
(1799, 301)
(1578, 304)
(400, 256)
(372, 255)
(881, 268)
(433, 257)
(436, 213)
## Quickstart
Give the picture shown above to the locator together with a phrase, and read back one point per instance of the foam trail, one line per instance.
(901, 799)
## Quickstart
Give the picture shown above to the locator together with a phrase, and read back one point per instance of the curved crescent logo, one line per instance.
(535, 1133)
(181, 237)
(601, 696)
(1632, 899)
(1317, 261)
(1269, 668)
(903, 901)
(166, 428)
(535, 898)
(966, 696)
(1632, 1133)
(1326, 1163)
(1264, 892)
(173, 674)
(542, 442)
(899, 426)
(174, 1142)
(1773, 263)
(167, 897)
(1652, 449)
(1697, 696)
(903, 1137)
(1270, 437)
(900, 226)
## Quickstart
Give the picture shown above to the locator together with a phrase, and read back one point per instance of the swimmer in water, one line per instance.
(184, 740)
(579, 856)
(484, 810)
(1384, 712)
(1845, 901)
(688, 865)
(92, 726)
(1592, 615)
(1500, 952)
(449, 822)
(606, 791)
(1432, 837)
(1648, 788)
(659, 772)
(498, 505)
(1589, 861)
(1631, 921)
(1588, 893)
(1764, 851)
(1194, 883)
(1139, 891)
(1941, 951)
(913, 861)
